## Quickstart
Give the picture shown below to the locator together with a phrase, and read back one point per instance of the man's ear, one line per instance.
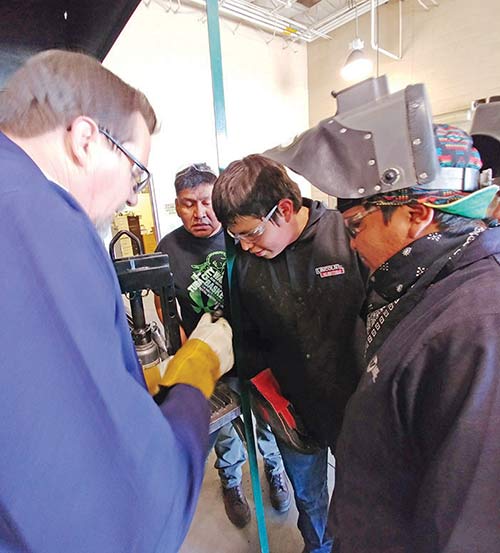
(82, 134)
(177, 207)
(421, 221)
(285, 209)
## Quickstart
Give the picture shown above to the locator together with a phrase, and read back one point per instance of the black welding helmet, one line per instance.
(378, 143)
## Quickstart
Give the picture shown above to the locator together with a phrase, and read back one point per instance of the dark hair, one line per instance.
(54, 87)
(251, 187)
(194, 175)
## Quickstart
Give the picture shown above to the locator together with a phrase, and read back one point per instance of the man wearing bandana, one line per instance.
(418, 459)
(422, 424)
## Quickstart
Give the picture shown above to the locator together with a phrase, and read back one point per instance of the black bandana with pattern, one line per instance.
(403, 271)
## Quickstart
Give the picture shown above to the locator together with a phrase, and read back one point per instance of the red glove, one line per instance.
(274, 409)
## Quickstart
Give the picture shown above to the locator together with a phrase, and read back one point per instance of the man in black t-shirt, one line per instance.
(197, 257)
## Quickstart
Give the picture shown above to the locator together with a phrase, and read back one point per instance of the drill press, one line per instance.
(138, 275)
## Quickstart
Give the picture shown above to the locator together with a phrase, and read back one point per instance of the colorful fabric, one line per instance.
(474, 205)
(454, 149)
(466, 204)
(408, 195)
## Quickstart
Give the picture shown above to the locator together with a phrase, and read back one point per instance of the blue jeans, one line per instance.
(231, 455)
(308, 475)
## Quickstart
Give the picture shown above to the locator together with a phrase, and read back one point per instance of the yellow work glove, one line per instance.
(204, 358)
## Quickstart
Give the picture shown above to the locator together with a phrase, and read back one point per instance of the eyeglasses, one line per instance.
(253, 234)
(141, 174)
(198, 167)
(353, 224)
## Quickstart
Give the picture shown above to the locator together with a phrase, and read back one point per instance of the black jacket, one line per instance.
(418, 459)
(300, 318)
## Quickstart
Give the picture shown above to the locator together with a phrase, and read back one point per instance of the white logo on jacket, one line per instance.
(330, 270)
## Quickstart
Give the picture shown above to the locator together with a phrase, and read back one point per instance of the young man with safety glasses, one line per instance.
(300, 290)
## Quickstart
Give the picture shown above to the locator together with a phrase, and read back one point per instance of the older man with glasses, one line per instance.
(89, 462)
(300, 290)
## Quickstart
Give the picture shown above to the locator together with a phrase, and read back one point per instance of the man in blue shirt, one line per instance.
(88, 461)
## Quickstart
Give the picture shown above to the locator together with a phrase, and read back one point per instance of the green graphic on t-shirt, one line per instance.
(206, 289)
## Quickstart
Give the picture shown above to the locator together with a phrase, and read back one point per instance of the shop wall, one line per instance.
(166, 55)
(453, 48)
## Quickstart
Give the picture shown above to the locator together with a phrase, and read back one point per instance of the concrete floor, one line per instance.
(212, 532)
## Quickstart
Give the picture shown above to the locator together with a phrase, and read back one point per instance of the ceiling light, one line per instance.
(357, 66)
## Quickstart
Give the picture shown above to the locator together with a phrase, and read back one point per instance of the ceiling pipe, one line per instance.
(290, 27)
(275, 23)
(329, 24)
(252, 18)
(243, 10)
(263, 11)
(425, 6)
(269, 24)
(302, 32)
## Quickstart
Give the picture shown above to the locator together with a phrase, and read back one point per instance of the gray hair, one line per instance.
(54, 87)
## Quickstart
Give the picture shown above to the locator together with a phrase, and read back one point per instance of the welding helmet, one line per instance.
(380, 143)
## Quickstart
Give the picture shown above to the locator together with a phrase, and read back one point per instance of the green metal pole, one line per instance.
(221, 137)
(245, 405)
(217, 79)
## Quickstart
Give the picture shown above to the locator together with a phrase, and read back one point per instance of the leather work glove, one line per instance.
(273, 407)
(204, 358)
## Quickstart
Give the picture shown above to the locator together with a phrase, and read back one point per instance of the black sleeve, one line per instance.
(453, 414)
(246, 337)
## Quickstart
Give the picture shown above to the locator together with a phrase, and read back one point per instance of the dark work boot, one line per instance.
(236, 505)
(279, 492)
